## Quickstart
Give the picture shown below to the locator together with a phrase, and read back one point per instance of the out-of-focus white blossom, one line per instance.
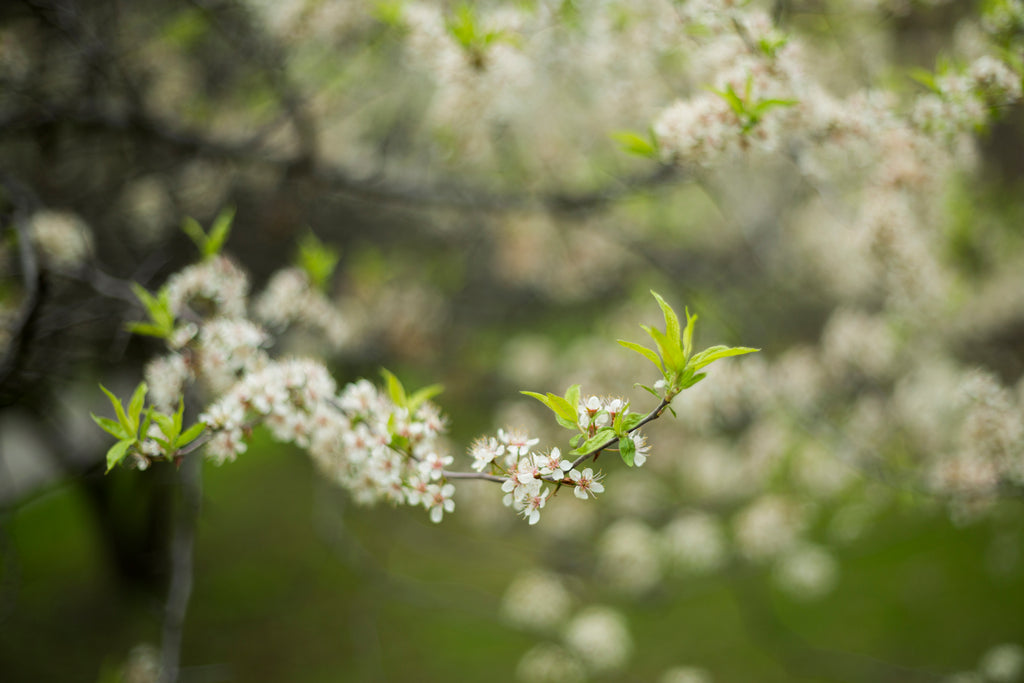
(62, 238)
(215, 283)
(290, 298)
(1003, 663)
(767, 527)
(536, 599)
(549, 663)
(628, 556)
(686, 674)
(600, 638)
(694, 542)
(166, 377)
(806, 572)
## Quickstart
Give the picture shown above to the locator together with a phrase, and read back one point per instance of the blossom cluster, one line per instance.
(530, 477)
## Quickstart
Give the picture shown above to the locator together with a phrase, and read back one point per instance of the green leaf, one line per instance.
(733, 100)
(425, 394)
(111, 427)
(158, 308)
(179, 414)
(558, 405)
(146, 329)
(166, 425)
(395, 389)
(575, 441)
(643, 351)
(649, 390)
(691, 321)
(690, 381)
(219, 232)
(190, 226)
(630, 421)
(389, 12)
(190, 434)
(671, 355)
(603, 436)
(136, 402)
(317, 260)
(572, 395)
(637, 144)
(128, 426)
(925, 78)
(627, 449)
(568, 424)
(671, 319)
(118, 452)
(713, 353)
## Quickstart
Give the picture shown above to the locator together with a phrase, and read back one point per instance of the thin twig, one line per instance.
(182, 545)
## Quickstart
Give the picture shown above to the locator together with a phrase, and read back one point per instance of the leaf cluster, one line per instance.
(673, 354)
(211, 243)
(679, 366)
(317, 260)
(161, 318)
(133, 424)
(747, 110)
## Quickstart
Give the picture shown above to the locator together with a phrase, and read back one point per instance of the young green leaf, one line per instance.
(603, 436)
(713, 353)
(219, 232)
(671, 319)
(190, 434)
(112, 427)
(128, 426)
(627, 449)
(649, 390)
(425, 394)
(629, 422)
(158, 308)
(558, 405)
(395, 389)
(634, 143)
(118, 452)
(568, 424)
(572, 395)
(643, 351)
(147, 329)
(136, 402)
(317, 260)
(691, 321)
(671, 355)
(690, 381)
(190, 226)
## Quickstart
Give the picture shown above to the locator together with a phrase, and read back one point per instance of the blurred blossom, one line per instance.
(529, 360)
(767, 527)
(143, 665)
(627, 556)
(289, 298)
(857, 341)
(62, 238)
(536, 599)
(807, 572)
(686, 674)
(1003, 663)
(820, 471)
(714, 472)
(148, 208)
(599, 637)
(694, 542)
(798, 378)
(549, 663)
(965, 677)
